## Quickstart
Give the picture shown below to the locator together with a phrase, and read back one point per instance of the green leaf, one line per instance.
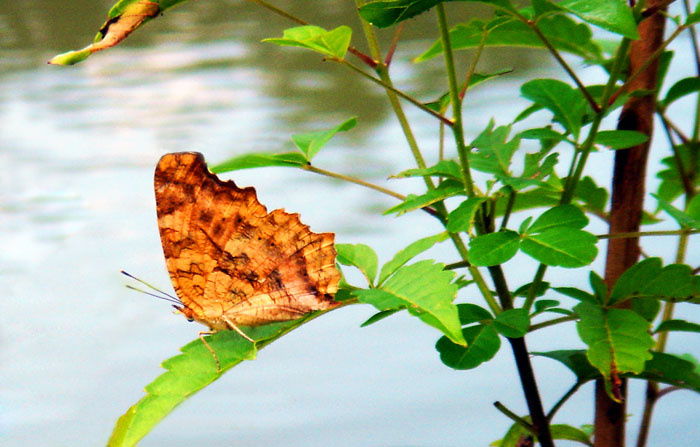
(635, 279)
(494, 150)
(512, 323)
(524, 290)
(493, 248)
(611, 15)
(414, 202)
(124, 17)
(444, 168)
(542, 133)
(544, 305)
(672, 370)
(662, 368)
(379, 316)
(566, 103)
(618, 339)
(333, 43)
(620, 139)
(599, 286)
(249, 161)
(460, 219)
(426, 290)
(591, 194)
(561, 246)
(361, 256)
(310, 143)
(408, 253)
(647, 279)
(562, 32)
(471, 313)
(679, 216)
(678, 326)
(569, 433)
(559, 216)
(483, 343)
(576, 361)
(187, 374)
(578, 294)
(680, 89)
(385, 13)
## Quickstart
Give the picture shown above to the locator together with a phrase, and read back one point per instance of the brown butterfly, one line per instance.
(231, 262)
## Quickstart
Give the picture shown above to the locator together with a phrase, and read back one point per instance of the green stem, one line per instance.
(457, 128)
(392, 89)
(533, 26)
(553, 322)
(354, 180)
(682, 233)
(515, 418)
(532, 291)
(563, 400)
(648, 62)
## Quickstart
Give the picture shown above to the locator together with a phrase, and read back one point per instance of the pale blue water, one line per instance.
(78, 146)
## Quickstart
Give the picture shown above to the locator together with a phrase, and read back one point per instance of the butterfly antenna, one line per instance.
(162, 295)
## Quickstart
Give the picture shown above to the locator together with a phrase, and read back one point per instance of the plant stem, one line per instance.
(553, 322)
(515, 418)
(392, 89)
(363, 57)
(563, 400)
(637, 234)
(533, 26)
(457, 128)
(354, 180)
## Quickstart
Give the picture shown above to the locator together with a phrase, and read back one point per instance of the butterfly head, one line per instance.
(186, 311)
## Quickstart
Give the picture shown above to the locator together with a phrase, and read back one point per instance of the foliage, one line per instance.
(519, 173)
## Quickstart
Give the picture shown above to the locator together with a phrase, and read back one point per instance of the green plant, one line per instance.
(625, 316)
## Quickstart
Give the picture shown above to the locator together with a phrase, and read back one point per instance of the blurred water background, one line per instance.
(77, 148)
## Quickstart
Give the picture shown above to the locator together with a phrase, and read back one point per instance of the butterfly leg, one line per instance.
(237, 329)
(206, 345)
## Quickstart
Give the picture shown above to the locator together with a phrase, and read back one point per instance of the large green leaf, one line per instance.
(414, 202)
(408, 253)
(426, 290)
(124, 17)
(566, 103)
(384, 13)
(562, 32)
(493, 248)
(618, 339)
(188, 373)
(460, 219)
(611, 15)
(620, 139)
(561, 246)
(662, 368)
(310, 143)
(559, 216)
(444, 168)
(361, 256)
(483, 343)
(333, 43)
(648, 279)
(249, 161)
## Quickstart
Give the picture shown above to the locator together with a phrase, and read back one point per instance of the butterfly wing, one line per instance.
(230, 259)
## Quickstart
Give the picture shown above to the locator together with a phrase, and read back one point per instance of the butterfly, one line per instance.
(231, 262)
